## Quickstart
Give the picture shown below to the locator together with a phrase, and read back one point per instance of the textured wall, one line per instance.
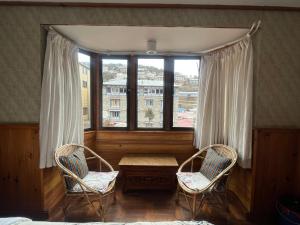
(277, 49)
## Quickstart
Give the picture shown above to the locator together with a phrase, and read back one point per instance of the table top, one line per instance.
(148, 160)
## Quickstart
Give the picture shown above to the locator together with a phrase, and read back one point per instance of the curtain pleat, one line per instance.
(61, 111)
(224, 112)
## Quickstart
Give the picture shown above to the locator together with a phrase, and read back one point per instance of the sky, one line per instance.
(187, 67)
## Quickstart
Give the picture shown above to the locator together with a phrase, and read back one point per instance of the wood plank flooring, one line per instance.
(156, 206)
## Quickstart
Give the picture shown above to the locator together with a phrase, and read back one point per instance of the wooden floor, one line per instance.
(156, 206)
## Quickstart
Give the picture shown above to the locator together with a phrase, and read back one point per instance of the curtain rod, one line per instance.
(253, 29)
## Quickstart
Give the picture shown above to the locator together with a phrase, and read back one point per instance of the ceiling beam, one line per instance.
(145, 5)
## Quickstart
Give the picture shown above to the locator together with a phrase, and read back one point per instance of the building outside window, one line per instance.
(114, 92)
(149, 79)
(185, 92)
(85, 77)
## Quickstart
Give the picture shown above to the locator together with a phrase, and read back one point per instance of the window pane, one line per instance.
(85, 77)
(114, 93)
(150, 93)
(185, 92)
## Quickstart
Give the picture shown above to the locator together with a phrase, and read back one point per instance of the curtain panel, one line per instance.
(224, 114)
(61, 111)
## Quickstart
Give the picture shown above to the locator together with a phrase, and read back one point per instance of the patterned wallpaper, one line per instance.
(277, 51)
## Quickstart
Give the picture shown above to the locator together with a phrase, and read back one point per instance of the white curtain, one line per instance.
(224, 112)
(61, 112)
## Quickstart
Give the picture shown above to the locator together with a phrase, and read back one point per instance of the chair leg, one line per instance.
(194, 207)
(65, 207)
(115, 197)
(177, 194)
(226, 203)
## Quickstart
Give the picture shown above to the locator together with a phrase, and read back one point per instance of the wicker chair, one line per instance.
(90, 194)
(191, 195)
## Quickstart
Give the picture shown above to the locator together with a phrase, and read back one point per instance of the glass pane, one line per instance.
(185, 92)
(85, 77)
(114, 93)
(150, 93)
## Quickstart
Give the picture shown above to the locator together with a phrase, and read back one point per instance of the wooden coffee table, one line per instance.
(148, 171)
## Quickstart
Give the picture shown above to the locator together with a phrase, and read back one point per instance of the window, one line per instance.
(85, 111)
(115, 115)
(84, 84)
(143, 92)
(185, 92)
(123, 90)
(114, 92)
(108, 90)
(149, 102)
(115, 103)
(150, 73)
(85, 77)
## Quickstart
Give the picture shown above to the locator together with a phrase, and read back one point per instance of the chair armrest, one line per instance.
(98, 157)
(191, 159)
(91, 157)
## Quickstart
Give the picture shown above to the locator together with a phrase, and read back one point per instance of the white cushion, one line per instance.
(97, 180)
(195, 181)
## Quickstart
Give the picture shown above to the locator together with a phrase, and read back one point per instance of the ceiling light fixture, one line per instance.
(151, 47)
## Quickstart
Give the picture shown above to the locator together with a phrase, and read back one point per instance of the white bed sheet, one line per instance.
(26, 221)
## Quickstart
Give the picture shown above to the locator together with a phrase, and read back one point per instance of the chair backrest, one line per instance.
(68, 149)
(228, 152)
(65, 150)
(225, 151)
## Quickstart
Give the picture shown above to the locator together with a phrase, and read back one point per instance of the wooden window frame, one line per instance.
(172, 91)
(136, 88)
(120, 57)
(132, 76)
(92, 89)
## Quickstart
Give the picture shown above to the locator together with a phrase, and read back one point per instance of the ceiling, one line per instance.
(283, 3)
(134, 39)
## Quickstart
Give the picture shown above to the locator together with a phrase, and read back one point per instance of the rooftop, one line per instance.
(144, 83)
(123, 82)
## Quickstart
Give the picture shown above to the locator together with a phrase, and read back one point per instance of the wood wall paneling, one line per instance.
(27, 190)
(275, 165)
(240, 183)
(113, 145)
(21, 187)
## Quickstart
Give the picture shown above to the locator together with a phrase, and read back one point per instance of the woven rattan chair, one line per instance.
(196, 197)
(88, 195)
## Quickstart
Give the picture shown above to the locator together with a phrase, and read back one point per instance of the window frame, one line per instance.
(136, 88)
(92, 89)
(132, 89)
(117, 57)
(173, 82)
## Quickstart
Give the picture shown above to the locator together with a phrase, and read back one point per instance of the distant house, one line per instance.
(84, 71)
(150, 96)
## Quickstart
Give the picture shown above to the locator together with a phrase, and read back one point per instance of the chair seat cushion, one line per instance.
(213, 164)
(195, 181)
(97, 180)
